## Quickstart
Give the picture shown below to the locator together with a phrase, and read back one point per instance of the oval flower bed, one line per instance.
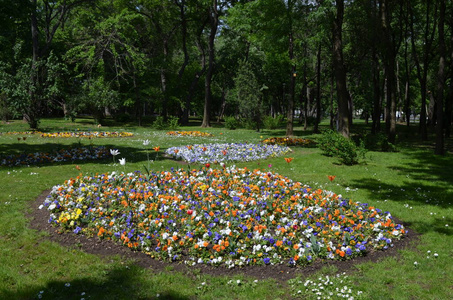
(89, 134)
(230, 217)
(208, 153)
(82, 153)
(289, 141)
(189, 133)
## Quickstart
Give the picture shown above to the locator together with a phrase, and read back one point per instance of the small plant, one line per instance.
(159, 123)
(325, 287)
(231, 123)
(173, 123)
(270, 122)
(334, 144)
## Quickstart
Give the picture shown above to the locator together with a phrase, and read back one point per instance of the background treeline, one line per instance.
(295, 61)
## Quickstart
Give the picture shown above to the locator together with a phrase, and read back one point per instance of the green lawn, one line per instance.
(413, 184)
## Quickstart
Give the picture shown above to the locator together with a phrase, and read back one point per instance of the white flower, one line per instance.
(114, 152)
(122, 161)
(436, 255)
(145, 142)
(415, 263)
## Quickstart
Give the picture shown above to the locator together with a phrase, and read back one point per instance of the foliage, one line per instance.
(378, 142)
(334, 144)
(232, 123)
(161, 124)
(270, 122)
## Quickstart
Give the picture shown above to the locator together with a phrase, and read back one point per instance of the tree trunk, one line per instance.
(376, 126)
(440, 83)
(318, 90)
(340, 73)
(389, 64)
(214, 22)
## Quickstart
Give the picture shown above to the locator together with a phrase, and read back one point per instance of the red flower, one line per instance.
(189, 212)
(331, 177)
(207, 165)
(289, 159)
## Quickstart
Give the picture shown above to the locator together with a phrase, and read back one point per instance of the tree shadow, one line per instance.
(119, 282)
(132, 154)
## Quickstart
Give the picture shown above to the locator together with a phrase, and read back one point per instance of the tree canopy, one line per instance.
(380, 60)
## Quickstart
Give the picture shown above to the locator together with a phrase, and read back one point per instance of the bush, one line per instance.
(231, 123)
(160, 124)
(173, 123)
(379, 142)
(249, 124)
(273, 123)
(334, 144)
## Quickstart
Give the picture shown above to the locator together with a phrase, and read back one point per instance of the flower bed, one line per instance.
(82, 153)
(68, 134)
(289, 141)
(208, 153)
(230, 217)
(189, 133)
(89, 134)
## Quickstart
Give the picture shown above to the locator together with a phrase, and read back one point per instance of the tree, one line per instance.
(440, 82)
(246, 94)
(340, 72)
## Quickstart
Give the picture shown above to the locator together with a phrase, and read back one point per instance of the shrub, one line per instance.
(334, 144)
(173, 123)
(231, 123)
(379, 142)
(273, 123)
(249, 124)
(159, 123)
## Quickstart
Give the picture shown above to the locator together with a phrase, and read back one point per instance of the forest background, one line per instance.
(248, 61)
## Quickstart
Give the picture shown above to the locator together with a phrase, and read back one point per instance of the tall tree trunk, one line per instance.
(214, 22)
(422, 74)
(449, 101)
(318, 90)
(31, 114)
(376, 126)
(340, 72)
(440, 83)
(389, 64)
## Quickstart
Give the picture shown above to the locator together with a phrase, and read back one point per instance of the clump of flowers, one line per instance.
(230, 217)
(82, 153)
(287, 141)
(209, 153)
(89, 134)
(325, 287)
(189, 133)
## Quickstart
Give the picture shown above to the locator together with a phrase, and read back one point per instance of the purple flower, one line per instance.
(77, 230)
(267, 260)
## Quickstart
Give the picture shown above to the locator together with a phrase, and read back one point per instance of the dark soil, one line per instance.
(104, 248)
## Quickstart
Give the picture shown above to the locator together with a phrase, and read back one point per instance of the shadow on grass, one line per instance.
(120, 282)
(131, 154)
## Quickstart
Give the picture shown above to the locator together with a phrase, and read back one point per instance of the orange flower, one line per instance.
(289, 159)
(156, 149)
(77, 167)
(331, 177)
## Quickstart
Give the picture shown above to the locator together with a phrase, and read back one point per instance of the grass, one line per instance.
(413, 184)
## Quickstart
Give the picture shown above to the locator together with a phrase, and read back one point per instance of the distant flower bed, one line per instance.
(289, 141)
(230, 217)
(68, 134)
(83, 153)
(189, 133)
(91, 134)
(208, 153)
